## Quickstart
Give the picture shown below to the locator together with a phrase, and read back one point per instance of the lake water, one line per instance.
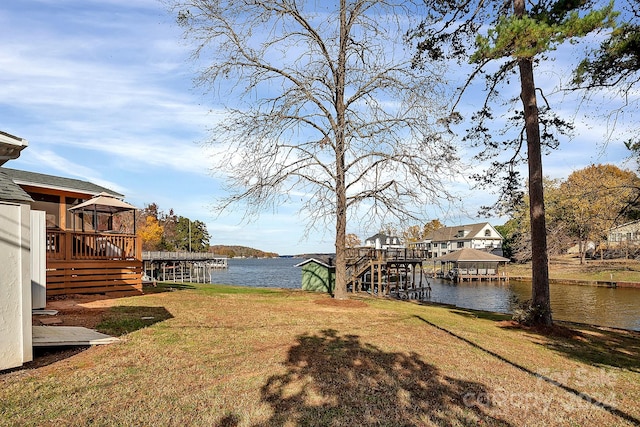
(585, 304)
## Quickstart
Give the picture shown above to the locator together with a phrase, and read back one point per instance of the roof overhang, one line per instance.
(62, 188)
(10, 147)
(35, 181)
(315, 260)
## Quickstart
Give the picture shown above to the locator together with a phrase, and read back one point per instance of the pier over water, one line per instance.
(181, 266)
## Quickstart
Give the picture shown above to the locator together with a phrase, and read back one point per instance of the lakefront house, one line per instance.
(481, 236)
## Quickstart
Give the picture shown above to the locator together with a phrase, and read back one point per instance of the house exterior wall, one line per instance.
(628, 234)
(58, 214)
(15, 285)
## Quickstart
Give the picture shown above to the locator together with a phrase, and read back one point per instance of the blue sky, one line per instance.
(103, 91)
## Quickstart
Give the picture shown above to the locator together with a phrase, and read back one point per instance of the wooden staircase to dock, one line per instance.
(386, 271)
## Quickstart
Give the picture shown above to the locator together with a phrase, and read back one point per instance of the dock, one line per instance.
(393, 272)
(193, 267)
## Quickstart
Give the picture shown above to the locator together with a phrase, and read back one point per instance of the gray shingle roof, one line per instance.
(56, 182)
(11, 191)
(468, 254)
(446, 234)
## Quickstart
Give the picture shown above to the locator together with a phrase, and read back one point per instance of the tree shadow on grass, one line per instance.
(122, 320)
(595, 345)
(339, 380)
(478, 314)
(592, 344)
(161, 287)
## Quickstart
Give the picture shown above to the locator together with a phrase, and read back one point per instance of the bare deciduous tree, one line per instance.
(322, 106)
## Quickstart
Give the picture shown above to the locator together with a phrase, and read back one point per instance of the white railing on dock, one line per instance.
(181, 256)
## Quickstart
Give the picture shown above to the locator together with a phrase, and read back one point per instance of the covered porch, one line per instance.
(97, 258)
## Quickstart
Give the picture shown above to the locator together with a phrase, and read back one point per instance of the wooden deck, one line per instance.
(76, 245)
(504, 277)
(93, 263)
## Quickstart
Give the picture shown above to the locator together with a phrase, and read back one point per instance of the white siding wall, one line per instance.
(15, 285)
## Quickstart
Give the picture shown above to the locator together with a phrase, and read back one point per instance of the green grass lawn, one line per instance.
(210, 355)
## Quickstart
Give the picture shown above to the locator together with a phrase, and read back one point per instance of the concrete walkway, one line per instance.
(57, 336)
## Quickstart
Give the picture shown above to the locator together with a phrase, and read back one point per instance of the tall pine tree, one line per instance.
(517, 39)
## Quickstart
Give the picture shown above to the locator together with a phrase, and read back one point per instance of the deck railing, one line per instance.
(181, 256)
(77, 245)
(390, 254)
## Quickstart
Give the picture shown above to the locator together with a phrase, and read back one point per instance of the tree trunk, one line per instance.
(539, 258)
(340, 291)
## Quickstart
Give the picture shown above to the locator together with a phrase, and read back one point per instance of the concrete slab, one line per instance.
(56, 336)
(43, 312)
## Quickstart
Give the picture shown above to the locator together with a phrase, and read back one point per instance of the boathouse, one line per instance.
(471, 264)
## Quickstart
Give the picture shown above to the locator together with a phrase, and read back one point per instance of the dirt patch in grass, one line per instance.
(341, 303)
(555, 330)
(76, 310)
(98, 312)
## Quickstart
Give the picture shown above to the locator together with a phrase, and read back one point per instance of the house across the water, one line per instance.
(625, 234)
(481, 236)
(383, 241)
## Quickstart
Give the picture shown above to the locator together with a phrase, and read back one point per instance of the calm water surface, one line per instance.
(585, 304)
